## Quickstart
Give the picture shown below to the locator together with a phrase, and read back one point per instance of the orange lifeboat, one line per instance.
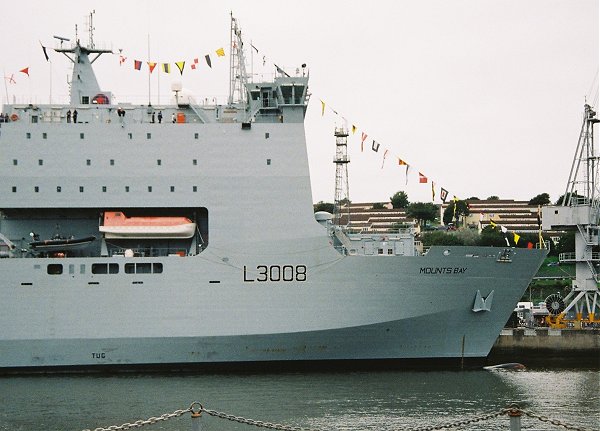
(118, 225)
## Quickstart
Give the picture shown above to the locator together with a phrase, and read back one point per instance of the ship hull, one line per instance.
(402, 309)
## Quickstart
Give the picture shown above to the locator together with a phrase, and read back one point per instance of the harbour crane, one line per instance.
(579, 211)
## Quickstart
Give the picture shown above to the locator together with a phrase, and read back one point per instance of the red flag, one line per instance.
(137, 64)
(25, 71)
(422, 178)
(122, 59)
(195, 63)
(529, 245)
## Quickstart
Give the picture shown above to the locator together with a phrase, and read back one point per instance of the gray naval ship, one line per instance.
(191, 242)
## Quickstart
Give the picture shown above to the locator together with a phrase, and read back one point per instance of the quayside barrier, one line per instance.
(196, 409)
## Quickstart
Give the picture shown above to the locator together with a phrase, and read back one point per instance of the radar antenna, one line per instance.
(579, 211)
(90, 23)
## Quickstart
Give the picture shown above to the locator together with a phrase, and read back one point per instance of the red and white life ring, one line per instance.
(14, 117)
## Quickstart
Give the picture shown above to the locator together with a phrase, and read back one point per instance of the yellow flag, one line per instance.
(220, 52)
(353, 129)
(322, 108)
(180, 65)
(517, 237)
(492, 224)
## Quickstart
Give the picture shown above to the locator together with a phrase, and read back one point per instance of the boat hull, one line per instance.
(149, 232)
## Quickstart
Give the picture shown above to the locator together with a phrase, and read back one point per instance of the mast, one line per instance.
(84, 85)
(237, 66)
(342, 190)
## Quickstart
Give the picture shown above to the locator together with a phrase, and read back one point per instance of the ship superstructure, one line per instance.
(239, 271)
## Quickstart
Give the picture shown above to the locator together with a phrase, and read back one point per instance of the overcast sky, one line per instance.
(484, 97)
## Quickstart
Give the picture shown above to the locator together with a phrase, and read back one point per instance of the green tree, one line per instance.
(473, 198)
(541, 199)
(440, 238)
(573, 196)
(566, 243)
(422, 212)
(492, 237)
(493, 198)
(323, 206)
(399, 200)
(378, 205)
(467, 236)
(462, 209)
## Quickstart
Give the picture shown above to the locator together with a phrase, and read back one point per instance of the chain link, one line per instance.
(554, 421)
(254, 422)
(141, 423)
(513, 410)
(461, 422)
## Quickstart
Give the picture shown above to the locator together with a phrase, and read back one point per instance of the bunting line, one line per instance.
(376, 146)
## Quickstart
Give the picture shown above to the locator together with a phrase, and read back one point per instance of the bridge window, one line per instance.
(105, 268)
(143, 268)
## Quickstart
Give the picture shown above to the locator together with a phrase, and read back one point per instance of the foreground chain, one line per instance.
(196, 408)
(141, 423)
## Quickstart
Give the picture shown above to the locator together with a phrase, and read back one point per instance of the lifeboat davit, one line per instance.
(118, 225)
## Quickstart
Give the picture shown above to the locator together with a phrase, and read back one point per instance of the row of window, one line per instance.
(110, 268)
(88, 162)
(129, 135)
(104, 189)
